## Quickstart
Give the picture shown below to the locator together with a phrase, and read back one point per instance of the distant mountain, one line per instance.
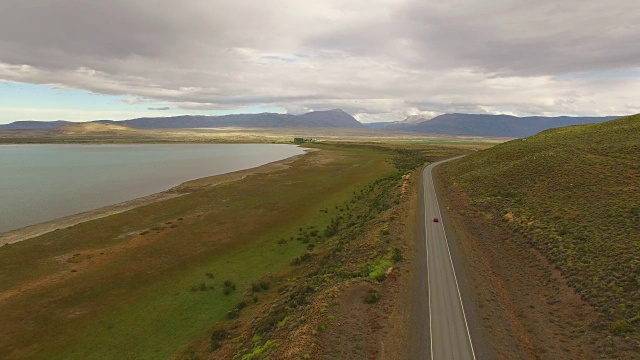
(398, 125)
(264, 120)
(33, 125)
(447, 124)
(415, 119)
(336, 118)
(331, 119)
(377, 125)
(491, 125)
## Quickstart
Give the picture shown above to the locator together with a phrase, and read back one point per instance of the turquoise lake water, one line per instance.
(40, 183)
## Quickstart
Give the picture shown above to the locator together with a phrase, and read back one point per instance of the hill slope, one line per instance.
(574, 193)
(491, 125)
(93, 128)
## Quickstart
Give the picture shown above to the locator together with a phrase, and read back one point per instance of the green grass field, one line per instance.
(146, 283)
(131, 295)
(575, 194)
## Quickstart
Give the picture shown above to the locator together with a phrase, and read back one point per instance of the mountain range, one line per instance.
(316, 119)
(488, 125)
(447, 124)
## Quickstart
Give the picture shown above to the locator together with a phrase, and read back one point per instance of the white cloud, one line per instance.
(380, 60)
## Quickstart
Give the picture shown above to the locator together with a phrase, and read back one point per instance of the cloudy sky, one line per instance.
(380, 60)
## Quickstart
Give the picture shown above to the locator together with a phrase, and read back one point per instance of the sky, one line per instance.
(380, 60)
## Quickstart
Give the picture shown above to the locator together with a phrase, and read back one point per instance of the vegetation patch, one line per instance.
(161, 283)
(574, 194)
(357, 245)
(378, 270)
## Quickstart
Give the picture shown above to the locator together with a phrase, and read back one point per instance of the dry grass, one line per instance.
(574, 194)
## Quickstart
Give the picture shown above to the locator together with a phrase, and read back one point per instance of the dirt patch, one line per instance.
(526, 307)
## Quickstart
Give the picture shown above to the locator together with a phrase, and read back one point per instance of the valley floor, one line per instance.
(310, 259)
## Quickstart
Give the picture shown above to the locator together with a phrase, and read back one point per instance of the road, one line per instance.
(449, 334)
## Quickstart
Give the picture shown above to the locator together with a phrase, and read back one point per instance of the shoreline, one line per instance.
(187, 187)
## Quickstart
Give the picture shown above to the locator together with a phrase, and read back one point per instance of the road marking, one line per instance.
(464, 316)
(424, 200)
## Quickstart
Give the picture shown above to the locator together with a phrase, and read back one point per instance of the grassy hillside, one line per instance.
(94, 129)
(574, 193)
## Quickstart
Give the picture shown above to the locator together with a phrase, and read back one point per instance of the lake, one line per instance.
(40, 183)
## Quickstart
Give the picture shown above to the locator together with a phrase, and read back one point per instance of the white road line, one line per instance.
(424, 196)
(452, 267)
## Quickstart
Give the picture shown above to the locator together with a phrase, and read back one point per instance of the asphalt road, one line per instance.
(449, 336)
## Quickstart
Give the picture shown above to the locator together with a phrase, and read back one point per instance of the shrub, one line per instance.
(229, 287)
(303, 258)
(378, 271)
(232, 314)
(621, 327)
(372, 297)
(396, 255)
(216, 338)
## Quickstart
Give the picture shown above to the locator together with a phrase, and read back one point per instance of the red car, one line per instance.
(436, 219)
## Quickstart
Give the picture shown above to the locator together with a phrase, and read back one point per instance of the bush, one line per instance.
(372, 297)
(378, 271)
(303, 258)
(621, 327)
(229, 287)
(216, 338)
(232, 314)
(396, 255)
